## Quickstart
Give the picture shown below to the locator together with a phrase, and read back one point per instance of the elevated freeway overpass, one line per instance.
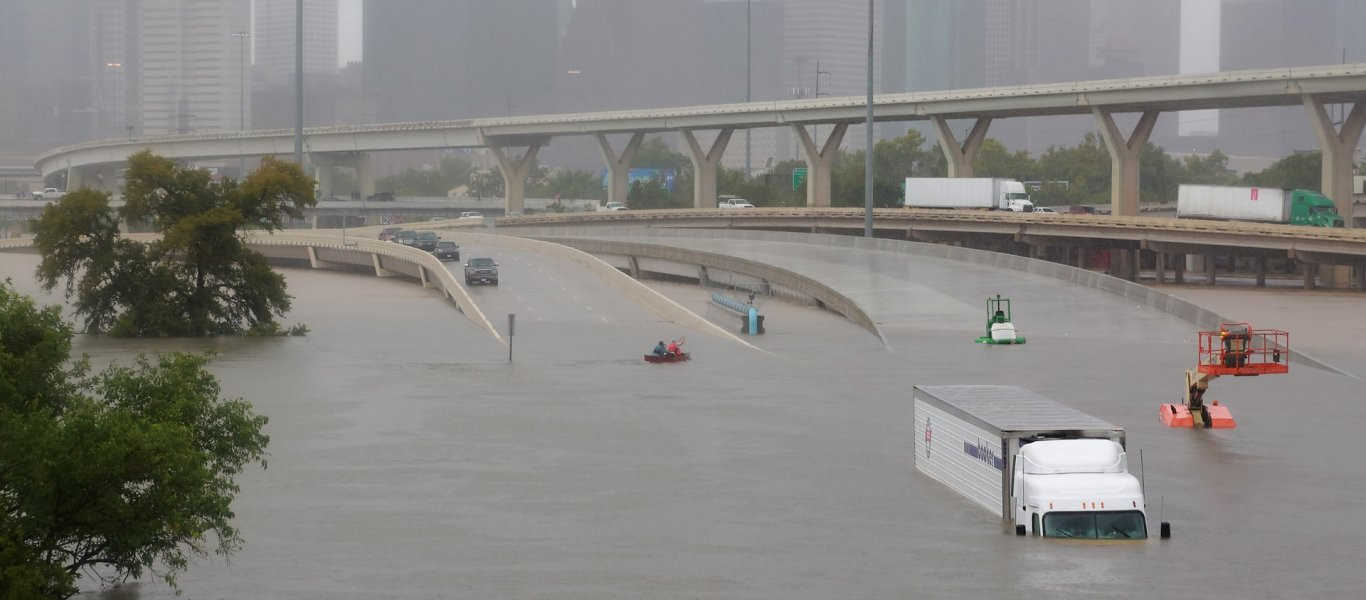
(97, 163)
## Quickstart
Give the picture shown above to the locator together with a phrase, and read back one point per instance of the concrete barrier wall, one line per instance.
(635, 290)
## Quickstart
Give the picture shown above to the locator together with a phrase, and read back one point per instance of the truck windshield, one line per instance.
(1112, 525)
(1017, 197)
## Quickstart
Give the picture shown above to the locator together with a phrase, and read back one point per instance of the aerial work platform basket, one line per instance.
(1239, 350)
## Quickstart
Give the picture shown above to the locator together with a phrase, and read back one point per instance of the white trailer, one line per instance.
(1042, 467)
(1269, 205)
(967, 192)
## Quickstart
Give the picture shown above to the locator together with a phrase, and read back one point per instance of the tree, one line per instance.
(1209, 170)
(568, 183)
(200, 278)
(452, 172)
(1301, 170)
(1086, 167)
(125, 472)
(487, 183)
(993, 160)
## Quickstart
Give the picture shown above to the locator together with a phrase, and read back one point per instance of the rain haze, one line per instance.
(412, 456)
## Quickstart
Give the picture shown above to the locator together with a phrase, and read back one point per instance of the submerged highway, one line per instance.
(410, 459)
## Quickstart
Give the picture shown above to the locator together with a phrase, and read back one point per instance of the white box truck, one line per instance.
(1046, 469)
(1269, 205)
(967, 192)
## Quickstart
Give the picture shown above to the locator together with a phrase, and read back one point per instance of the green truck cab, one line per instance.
(1312, 208)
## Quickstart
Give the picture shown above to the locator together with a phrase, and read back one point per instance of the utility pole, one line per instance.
(241, 95)
(868, 142)
(749, 31)
(299, 83)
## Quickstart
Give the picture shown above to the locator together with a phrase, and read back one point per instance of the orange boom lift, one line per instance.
(1238, 350)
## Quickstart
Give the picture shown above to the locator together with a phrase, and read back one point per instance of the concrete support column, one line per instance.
(1160, 268)
(1261, 270)
(1339, 147)
(1311, 270)
(514, 172)
(1124, 155)
(960, 156)
(325, 171)
(1209, 269)
(618, 165)
(1081, 257)
(1179, 268)
(365, 175)
(704, 163)
(818, 163)
(75, 179)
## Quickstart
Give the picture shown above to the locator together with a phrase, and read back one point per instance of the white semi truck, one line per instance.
(967, 192)
(1046, 469)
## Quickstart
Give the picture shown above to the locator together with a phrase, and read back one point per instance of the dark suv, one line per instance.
(426, 240)
(482, 270)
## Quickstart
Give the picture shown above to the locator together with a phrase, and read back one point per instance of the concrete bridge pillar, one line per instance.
(324, 170)
(365, 175)
(1124, 159)
(75, 178)
(818, 163)
(515, 170)
(1338, 146)
(704, 164)
(960, 156)
(618, 165)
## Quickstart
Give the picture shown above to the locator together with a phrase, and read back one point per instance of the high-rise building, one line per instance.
(275, 45)
(453, 59)
(1270, 34)
(193, 76)
(46, 75)
(115, 32)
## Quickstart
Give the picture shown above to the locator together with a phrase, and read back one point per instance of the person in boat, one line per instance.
(661, 349)
(673, 347)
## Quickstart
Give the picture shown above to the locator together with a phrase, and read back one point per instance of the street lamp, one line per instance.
(817, 127)
(748, 33)
(868, 143)
(241, 96)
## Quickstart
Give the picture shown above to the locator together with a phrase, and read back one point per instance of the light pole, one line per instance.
(299, 83)
(749, 172)
(241, 95)
(816, 128)
(868, 143)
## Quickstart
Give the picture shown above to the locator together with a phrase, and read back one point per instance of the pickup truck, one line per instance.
(734, 203)
(611, 206)
(48, 194)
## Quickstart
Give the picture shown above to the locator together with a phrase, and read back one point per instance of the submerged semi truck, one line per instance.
(1045, 468)
(967, 192)
(1268, 205)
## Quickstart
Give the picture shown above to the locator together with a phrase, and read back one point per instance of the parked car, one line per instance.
(405, 237)
(48, 194)
(1080, 209)
(446, 250)
(426, 240)
(387, 233)
(1045, 210)
(468, 215)
(381, 197)
(481, 270)
(612, 206)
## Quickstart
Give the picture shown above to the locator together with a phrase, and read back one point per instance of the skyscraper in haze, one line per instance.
(192, 66)
(274, 39)
(455, 59)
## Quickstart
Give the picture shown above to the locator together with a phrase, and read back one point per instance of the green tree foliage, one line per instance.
(1301, 170)
(113, 475)
(486, 184)
(569, 184)
(654, 153)
(1159, 175)
(1086, 168)
(452, 172)
(994, 160)
(651, 193)
(200, 278)
(1209, 170)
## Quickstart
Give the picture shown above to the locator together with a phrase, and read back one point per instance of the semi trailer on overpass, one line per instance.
(1269, 205)
(967, 192)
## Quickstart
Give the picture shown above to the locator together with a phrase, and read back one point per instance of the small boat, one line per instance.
(680, 357)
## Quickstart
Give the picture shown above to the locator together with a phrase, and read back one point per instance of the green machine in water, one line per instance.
(999, 328)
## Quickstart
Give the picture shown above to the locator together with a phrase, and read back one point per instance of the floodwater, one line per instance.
(410, 459)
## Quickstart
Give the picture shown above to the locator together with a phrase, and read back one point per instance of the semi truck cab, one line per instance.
(1014, 197)
(1077, 488)
(1312, 208)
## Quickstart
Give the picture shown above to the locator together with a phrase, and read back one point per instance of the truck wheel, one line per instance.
(1019, 530)
(1166, 530)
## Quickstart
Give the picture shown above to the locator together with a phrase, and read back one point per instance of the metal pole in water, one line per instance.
(512, 327)
(868, 145)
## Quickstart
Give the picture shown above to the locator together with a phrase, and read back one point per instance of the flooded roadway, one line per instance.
(409, 459)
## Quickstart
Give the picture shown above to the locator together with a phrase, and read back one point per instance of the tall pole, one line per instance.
(241, 93)
(868, 142)
(299, 83)
(749, 172)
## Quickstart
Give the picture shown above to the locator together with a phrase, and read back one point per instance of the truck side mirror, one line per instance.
(1020, 529)
(1166, 530)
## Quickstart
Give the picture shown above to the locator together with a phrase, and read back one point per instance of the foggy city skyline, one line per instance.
(406, 60)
